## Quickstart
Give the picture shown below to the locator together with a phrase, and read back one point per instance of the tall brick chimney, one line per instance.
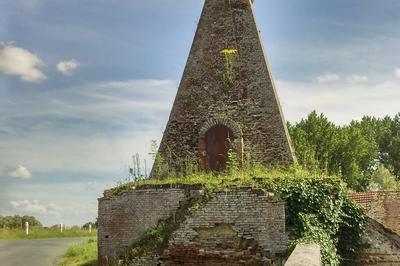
(226, 100)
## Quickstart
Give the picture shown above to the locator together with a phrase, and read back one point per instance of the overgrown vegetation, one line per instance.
(356, 152)
(82, 254)
(334, 160)
(317, 207)
(155, 240)
(319, 211)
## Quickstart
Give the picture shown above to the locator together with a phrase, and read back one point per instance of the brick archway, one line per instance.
(214, 129)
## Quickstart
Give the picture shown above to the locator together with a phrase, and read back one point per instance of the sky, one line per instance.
(85, 85)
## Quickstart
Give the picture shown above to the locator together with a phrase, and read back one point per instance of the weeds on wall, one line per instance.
(138, 171)
(233, 164)
(172, 165)
(228, 75)
(189, 98)
(318, 209)
(155, 240)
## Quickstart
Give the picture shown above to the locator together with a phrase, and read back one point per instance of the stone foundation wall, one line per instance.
(382, 206)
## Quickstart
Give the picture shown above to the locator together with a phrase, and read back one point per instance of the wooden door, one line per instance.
(218, 142)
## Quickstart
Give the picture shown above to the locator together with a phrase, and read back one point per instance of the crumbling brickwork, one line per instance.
(249, 101)
(382, 246)
(237, 227)
(125, 218)
(382, 206)
(240, 226)
(383, 227)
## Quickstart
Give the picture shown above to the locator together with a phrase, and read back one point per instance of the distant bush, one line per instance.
(86, 225)
(16, 221)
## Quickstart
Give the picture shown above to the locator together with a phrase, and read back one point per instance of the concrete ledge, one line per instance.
(305, 255)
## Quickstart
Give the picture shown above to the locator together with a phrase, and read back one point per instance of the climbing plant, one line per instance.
(319, 211)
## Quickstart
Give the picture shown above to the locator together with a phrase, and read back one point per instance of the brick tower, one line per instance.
(226, 100)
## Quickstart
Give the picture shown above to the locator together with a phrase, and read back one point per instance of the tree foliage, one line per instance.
(16, 221)
(353, 151)
(94, 225)
(318, 210)
(382, 179)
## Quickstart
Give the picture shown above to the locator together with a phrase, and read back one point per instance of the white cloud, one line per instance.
(357, 78)
(17, 61)
(341, 102)
(20, 172)
(67, 67)
(69, 203)
(397, 72)
(106, 121)
(108, 154)
(328, 78)
(34, 207)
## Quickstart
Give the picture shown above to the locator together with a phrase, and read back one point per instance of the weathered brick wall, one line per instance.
(240, 226)
(125, 218)
(251, 102)
(382, 246)
(382, 206)
(237, 227)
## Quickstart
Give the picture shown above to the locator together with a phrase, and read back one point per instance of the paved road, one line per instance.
(43, 252)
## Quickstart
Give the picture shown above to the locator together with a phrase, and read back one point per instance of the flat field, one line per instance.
(42, 233)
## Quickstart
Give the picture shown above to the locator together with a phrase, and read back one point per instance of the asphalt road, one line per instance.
(42, 252)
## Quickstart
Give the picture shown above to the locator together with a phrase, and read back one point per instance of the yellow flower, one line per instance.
(229, 51)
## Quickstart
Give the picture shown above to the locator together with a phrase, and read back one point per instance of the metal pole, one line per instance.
(90, 228)
(61, 228)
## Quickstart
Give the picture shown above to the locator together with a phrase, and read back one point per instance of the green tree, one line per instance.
(393, 147)
(382, 179)
(315, 140)
(357, 155)
(351, 151)
(16, 221)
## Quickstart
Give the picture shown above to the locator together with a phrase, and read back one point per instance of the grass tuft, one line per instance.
(82, 254)
(250, 177)
(42, 233)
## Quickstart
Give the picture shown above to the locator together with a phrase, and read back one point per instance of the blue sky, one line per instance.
(86, 84)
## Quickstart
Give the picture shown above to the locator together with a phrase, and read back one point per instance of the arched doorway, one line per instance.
(218, 141)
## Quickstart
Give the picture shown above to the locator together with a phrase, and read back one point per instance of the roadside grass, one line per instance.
(82, 254)
(42, 233)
